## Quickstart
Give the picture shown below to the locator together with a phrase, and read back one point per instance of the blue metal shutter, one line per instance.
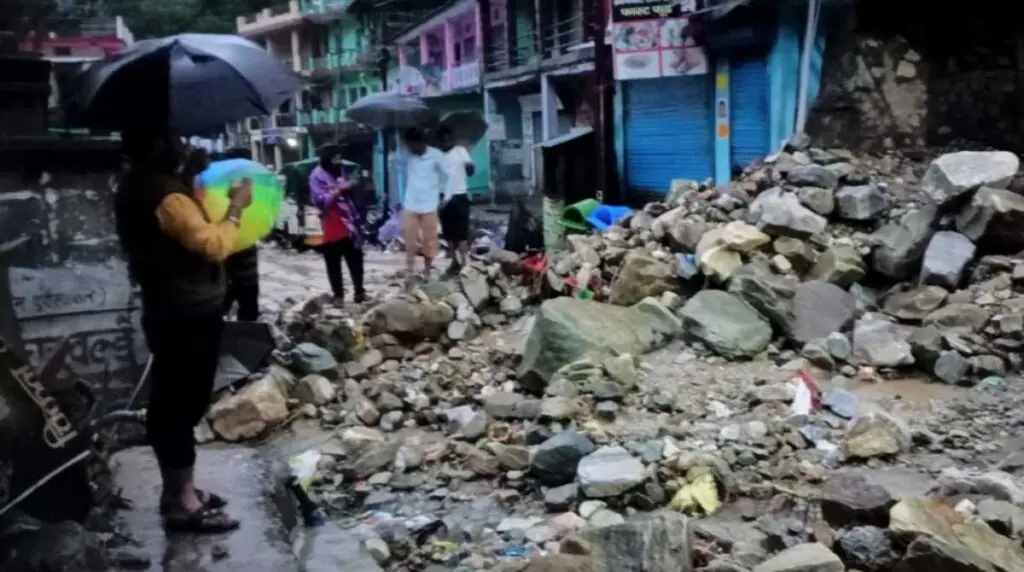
(668, 131)
(748, 95)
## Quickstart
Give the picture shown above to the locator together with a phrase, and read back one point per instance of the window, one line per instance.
(353, 95)
(363, 92)
(468, 49)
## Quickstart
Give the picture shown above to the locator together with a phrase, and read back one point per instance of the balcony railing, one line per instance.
(465, 76)
(269, 19)
(530, 48)
(324, 6)
(336, 61)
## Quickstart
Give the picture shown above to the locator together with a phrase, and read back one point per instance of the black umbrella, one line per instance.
(468, 127)
(387, 110)
(197, 82)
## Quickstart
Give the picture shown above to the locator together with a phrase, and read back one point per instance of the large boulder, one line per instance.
(820, 308)
(994, 219)
(946, 258)
(639, 277)
(567, 329)
(781, 213)
(900, 246)
(879, 342)
(658, 542)
(727, 324)
(860, 203)
(953, 175)
(258, 407)
(770, 294)
(969, 543)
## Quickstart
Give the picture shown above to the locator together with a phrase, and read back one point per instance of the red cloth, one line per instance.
(333, 226)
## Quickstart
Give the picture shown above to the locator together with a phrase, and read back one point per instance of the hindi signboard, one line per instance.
(656, 38)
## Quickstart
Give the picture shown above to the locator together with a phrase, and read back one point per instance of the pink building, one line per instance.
(442, 55)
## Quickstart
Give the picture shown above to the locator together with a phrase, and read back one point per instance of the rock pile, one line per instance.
(817, 257)
(851, 267)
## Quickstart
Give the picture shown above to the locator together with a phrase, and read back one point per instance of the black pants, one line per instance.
(185, 353)
(247, 295)
(333, 252)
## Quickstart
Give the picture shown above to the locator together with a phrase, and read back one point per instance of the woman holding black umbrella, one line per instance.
(340, 220)
(185, 85)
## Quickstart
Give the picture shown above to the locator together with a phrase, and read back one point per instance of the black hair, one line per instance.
(444, 131)
(414, 135)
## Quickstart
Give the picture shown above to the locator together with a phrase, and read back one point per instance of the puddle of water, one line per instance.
(917, 390)
(238, 474)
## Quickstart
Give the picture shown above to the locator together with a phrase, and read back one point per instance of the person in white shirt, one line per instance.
(426, 179)
(455, 206)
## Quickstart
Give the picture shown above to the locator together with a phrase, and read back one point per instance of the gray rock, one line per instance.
(880, 343)
(727, 324)
(849, 499)
(1004, 517)
(839, 346)
(796, 251)
(555, 461)
(566, 329)
(842, 402)
(955, 174)
(876, 434)
(947, 256)
(951, 367)
(914, 304)
(311, 358)
(781, 213)
(560, 499)
(993, 220)
(841, 265)
(819, 309)
(641, 276)
(811, 557)
(609, 472)
(960, 317)
(653, 543)
(813, 176)
(860, 203)
(770, 295)
(819, 200)
(900, 246)
(867, 548)
(926, 346)
(927, 554)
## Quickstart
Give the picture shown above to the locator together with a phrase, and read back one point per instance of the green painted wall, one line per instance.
(524, 28)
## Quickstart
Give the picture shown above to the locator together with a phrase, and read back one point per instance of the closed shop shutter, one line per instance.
(748, 95)
(668, 131)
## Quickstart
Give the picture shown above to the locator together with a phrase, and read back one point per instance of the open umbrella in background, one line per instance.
(468, 127)
(388, 110)
(198, 82)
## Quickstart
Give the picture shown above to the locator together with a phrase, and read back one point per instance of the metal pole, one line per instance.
(603, 84)
(810, 31)
(383, 60)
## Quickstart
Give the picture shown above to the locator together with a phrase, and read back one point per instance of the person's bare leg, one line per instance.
(463, 252)
(180, 489)
(410, 234)
(428, 228)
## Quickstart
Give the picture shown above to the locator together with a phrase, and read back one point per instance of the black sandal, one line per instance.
(203, 521)
(210, 500)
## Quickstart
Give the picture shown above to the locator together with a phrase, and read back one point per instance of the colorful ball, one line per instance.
(267, 193)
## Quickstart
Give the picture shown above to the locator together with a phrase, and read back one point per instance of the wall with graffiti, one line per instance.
(62, 273)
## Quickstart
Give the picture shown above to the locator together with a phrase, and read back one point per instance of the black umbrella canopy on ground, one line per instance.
(192, 83)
